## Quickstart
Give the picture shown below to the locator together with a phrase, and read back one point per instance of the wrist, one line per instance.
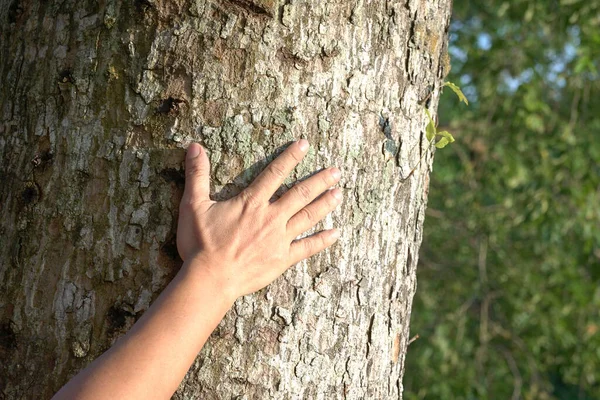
(202, 270)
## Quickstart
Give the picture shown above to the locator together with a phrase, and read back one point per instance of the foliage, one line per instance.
(458, 92)
(509, 280)
(432, 133)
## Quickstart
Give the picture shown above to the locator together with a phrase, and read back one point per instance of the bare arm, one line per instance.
(230, 249)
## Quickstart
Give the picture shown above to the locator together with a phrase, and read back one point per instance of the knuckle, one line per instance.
(327, 178)
(323, 241)
(193, 171)
(277, 171)
(308, 215)
(331, 201)
(188, 205)
(272, 218)
(303, 192)
(185, 204)
(297, 157)
(249, 199)
(309, 245)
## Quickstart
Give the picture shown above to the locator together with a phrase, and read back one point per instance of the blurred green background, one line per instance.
(508, 298)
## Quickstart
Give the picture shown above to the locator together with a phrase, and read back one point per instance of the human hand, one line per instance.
(246, 242)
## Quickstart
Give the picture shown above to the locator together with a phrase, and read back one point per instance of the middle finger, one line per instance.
(306, 191)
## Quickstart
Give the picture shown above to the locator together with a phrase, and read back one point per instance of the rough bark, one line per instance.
(97, 102)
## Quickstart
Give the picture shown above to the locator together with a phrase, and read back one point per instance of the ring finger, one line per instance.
(310, 215)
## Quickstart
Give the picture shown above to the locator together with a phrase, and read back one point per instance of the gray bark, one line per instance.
(97, 103)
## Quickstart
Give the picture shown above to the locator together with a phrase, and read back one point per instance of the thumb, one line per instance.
(197, 175)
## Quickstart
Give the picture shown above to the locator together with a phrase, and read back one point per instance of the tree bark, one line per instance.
(98, 100)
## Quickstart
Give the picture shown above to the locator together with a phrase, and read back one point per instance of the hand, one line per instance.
(246, 242)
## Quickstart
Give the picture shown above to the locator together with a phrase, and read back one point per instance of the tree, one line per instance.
(99, 98)
(508, 308)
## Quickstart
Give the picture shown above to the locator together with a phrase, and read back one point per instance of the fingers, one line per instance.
(304, 248)
(273, 176)
(310, 215)
(197, 175)
(306, 191)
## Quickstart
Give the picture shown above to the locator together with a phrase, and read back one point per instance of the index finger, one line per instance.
(267, 183)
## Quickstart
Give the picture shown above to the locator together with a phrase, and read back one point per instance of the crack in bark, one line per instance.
(370, 335)
(410, 43)
(252, 6)
(281, 10)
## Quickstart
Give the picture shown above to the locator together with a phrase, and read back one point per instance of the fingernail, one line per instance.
(194, 150)
(337, 194)
(336, 173)
(303, 144)
(335, 234)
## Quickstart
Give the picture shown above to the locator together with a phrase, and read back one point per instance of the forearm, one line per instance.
(150, 361)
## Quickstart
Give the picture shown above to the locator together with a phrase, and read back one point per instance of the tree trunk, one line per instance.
(98, 100)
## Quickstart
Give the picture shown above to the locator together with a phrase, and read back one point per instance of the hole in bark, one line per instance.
(15, 11)
(117, 318)
(47, 156)
(169, 106)
(251, 6)
(8, 337)
(386, 126)
(30, 194)
(65, 76)
(42, 159)
(169, 249)
(143, 5)
(176, 176)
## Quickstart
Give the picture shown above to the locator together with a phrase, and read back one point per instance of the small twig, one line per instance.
(412, 339)
(425, 100)
(429, 142)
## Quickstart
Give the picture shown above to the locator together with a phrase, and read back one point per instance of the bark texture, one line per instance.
(97, 102)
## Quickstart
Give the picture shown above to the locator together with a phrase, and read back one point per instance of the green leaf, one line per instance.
(458, 92)
(431, 130)
(443, 142)
(446, 135)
